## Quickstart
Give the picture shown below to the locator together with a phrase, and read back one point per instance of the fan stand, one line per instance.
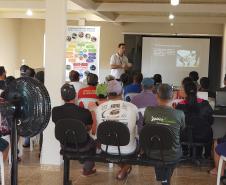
(14, 153)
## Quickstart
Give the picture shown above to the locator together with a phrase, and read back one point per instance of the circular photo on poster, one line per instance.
(85, 56)
(68, 38)
(87, 36)
(93, 39)
(68, 67)
(74, 35)
(81, 58)
(92, 67)
(81, 34)
(89, 60)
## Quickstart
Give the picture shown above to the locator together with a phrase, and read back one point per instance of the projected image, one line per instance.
(187, 58)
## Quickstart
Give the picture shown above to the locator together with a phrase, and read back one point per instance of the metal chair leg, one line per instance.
(66, 171)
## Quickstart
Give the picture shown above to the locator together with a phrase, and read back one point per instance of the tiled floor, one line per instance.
(31, 173)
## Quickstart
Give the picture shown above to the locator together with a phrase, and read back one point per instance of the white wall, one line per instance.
(24, 39)
(31, 44)
(9, 44)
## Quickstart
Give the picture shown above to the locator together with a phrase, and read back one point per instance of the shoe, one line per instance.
(88, 173)
(123, 174)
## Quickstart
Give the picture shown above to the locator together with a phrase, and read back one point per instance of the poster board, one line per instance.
(82, 50)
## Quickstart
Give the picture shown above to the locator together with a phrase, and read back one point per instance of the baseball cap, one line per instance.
(68, 92)
(148, 82)
(101, 90)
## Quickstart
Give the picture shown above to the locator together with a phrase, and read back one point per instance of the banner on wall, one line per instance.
(82, 50)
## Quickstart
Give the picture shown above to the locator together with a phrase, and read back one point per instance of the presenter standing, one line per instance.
(119, 62)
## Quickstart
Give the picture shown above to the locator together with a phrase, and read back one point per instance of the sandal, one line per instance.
(213, 171)
(123, 174)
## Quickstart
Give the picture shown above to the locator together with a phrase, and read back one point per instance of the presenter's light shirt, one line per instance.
(118, 60)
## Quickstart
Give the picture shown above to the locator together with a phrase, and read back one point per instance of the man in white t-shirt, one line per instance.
(126, 113)
(119, 62)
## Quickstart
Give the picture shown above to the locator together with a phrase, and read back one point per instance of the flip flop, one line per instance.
(213, 172)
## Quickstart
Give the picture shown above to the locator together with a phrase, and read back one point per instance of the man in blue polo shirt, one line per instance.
(135, 87)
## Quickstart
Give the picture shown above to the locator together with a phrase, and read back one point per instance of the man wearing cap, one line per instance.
(124, 112)
(71, 110)
(146, 97)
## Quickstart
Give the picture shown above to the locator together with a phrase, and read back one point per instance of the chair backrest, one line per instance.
(70, 131)
(84, 102)
(157, 137)
(113, 133)
(129, 96)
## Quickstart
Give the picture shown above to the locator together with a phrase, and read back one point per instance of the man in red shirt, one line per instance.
(88, 92)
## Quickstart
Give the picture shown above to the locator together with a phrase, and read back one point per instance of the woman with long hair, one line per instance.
(198, 118)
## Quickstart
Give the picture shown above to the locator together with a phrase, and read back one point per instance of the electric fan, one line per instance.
(28, 111)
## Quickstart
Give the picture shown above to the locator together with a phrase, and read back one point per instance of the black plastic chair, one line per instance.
(113, 133)
(191, 139)
(71, 133)
(159, 138)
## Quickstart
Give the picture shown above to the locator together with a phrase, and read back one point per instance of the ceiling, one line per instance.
(162, 1)
(124, 11)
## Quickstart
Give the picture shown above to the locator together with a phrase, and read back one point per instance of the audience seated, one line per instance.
(135, 87)
(195, 77)
(144, 99)
(126, 113)
(224, 88)
(71, 110)
(158, 81)
(126, 79)
(166, 115)
(23, 70)
(204, 87)
(2, 78)
(89, 92)
(101, 92)
(30, 72)
(221, 151)
(74, 78)
(86, 74)
(40, 76)
(198, 118)
(4, 145)
(113, 86)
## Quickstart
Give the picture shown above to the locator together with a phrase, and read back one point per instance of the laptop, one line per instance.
(220, 103)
